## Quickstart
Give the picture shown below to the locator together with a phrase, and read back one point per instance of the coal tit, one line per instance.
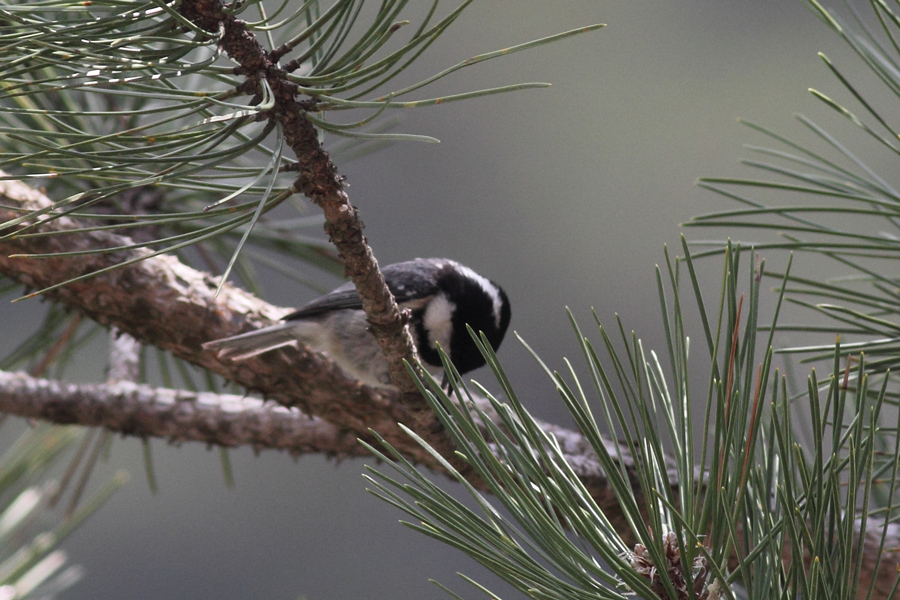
(441, 295)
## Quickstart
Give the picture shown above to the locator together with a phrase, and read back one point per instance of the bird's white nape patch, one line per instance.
(489, 288)
(438, 321)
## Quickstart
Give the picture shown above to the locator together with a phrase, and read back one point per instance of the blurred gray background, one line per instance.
(564, 195)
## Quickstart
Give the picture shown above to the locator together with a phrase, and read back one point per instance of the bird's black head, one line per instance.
(464, 298)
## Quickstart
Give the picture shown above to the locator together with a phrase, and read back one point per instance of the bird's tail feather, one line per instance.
(246, 345)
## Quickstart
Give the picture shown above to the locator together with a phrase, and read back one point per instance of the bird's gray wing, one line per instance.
(340, 299)
(411, 283)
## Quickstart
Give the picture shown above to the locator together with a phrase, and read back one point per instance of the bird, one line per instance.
(442, 297)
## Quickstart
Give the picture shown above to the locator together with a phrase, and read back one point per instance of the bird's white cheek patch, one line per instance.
(438, 321)
(489, 288)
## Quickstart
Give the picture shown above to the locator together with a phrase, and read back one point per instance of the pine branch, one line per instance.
(175, 415)
(319, 181)
(227, 420)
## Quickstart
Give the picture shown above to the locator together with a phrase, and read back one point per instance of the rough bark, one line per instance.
(175, 415)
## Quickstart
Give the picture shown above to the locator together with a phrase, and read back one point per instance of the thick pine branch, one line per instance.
(165, 303)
